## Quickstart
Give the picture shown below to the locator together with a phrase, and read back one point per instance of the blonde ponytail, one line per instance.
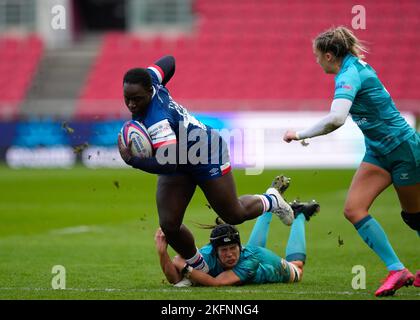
(339, 41)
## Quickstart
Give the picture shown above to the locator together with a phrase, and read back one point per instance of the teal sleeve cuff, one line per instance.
(344, 96)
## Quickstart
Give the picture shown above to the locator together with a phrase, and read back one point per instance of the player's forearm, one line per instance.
(204, 279)
(164, 162)
(152, 165)
(168, 268)
(325, 126)
(340, 109)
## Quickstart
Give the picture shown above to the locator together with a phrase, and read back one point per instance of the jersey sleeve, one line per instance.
(162, 134)
(156, 73)
(159, 128)
(347, 84)
(246, 269)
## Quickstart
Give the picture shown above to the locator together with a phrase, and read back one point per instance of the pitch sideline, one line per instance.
(349, 293)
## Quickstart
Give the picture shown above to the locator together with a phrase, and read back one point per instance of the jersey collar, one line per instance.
(346, 61)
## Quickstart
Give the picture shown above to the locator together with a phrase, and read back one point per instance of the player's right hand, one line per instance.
(289, 136)
(160, 241)
(125, 152)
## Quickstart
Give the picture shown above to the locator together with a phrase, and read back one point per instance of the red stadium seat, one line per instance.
(19, 58)
(261, 50)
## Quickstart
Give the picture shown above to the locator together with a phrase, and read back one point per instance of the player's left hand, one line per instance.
(125, 152)
(289, 136)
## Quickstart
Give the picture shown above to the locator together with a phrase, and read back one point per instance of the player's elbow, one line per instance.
(169, 62)
(171, 59)
(337, 121)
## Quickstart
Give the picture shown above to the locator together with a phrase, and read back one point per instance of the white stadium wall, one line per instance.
(255, 141)
(264, 147)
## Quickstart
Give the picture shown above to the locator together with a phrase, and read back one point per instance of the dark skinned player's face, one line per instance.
(137, 98)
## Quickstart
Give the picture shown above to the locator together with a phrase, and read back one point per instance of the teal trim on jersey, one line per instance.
(343, 96)
(372, 110)
(403, 163)
(256, 265)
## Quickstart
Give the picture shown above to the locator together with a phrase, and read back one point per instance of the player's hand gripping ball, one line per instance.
(134, 140)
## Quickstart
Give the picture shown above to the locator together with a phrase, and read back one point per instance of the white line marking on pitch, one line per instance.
(347, 293)
(74, 230)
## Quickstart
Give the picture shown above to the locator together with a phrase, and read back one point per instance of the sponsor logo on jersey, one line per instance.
(361, 122)
(343, 85)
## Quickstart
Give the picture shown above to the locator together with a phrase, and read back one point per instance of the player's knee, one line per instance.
(353, 213)
(411, 219)
(349, 212)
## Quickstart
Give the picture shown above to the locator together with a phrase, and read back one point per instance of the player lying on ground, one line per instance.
(150, 103)
(230, 263)
(392, 147)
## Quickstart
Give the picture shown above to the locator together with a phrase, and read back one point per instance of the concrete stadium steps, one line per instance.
(60, 77)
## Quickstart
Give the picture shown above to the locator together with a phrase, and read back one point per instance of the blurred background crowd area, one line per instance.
(62, 61)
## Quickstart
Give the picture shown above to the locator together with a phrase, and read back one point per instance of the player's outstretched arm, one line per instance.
(150, 165)
(226, 278)
(168, 268)
(167, 65)
(340, 109)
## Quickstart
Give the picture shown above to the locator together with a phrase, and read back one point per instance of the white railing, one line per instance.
(17, 15)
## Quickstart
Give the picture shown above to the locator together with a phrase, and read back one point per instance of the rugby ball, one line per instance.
(142, 144)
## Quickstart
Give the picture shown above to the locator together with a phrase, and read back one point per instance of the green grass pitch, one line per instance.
(100, 224)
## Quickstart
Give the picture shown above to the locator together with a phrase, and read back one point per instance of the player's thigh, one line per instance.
(368, 182)
(409, 197)
(406, 173)
(173, 194)
(221, 193)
